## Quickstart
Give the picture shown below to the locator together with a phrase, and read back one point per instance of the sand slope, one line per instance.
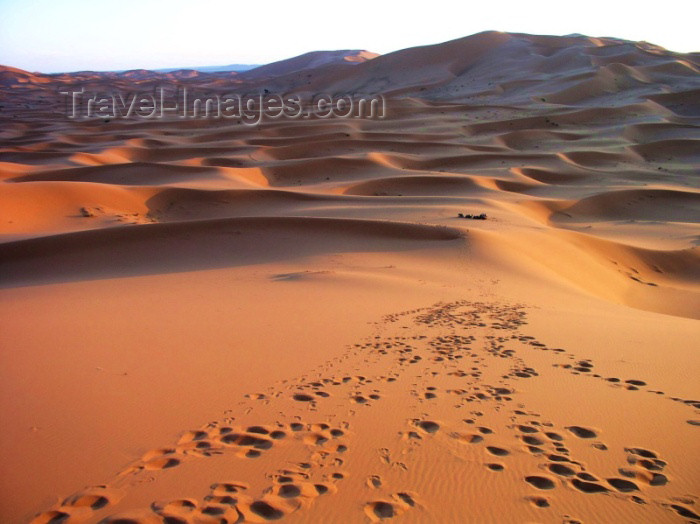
(209, 322)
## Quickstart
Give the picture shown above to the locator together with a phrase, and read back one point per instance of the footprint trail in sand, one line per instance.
(464, 362)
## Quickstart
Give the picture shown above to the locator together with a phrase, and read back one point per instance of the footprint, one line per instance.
(162, 463)
(466, 438)
(539, 502)
(562, 470)
(256, 396)
(499, 452)
(554, 436)
(429, 426)
(642, 452)
(50, 517)
(582, 432)
(622, 485)
(382, 509)
(226, 488)
(265, 510)
(588, 487)
(244, 440)
(303, 397)
(88, 500)
(527, 429)
(374, 481)
(658, 479)
(193, 436)
(685, 512)
(540, 482)
(532, 441)
(406, 498)
(174, 509)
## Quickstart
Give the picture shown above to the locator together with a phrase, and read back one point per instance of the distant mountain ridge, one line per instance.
(489, 67)
(311, 60)
(288, 65)
(236, 68)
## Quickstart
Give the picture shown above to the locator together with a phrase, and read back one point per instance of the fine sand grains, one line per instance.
(205, 321)
(453, 384)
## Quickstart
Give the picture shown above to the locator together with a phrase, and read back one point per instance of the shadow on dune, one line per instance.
(133, 173)
(201, 245)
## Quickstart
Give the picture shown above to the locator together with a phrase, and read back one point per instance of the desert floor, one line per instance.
(205, 321)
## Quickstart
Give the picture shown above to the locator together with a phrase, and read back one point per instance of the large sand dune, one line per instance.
(202, 321)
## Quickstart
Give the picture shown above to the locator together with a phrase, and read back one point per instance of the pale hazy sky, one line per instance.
(71, 35)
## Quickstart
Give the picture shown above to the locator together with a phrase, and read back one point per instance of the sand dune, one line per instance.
(636, 204)
(195, 245)
(417, 186)
(203, 321)
(132, 173)
(309, 61)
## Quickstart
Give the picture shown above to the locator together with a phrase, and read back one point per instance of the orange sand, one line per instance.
(206, 322)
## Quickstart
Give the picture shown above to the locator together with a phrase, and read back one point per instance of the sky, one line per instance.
(73, 35)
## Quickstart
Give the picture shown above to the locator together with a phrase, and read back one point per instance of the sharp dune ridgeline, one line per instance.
(479, 306)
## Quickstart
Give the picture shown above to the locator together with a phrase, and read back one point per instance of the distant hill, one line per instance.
(310, 60)
(497, 67)
(249, 72)
(486, 68)
(236, 68)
